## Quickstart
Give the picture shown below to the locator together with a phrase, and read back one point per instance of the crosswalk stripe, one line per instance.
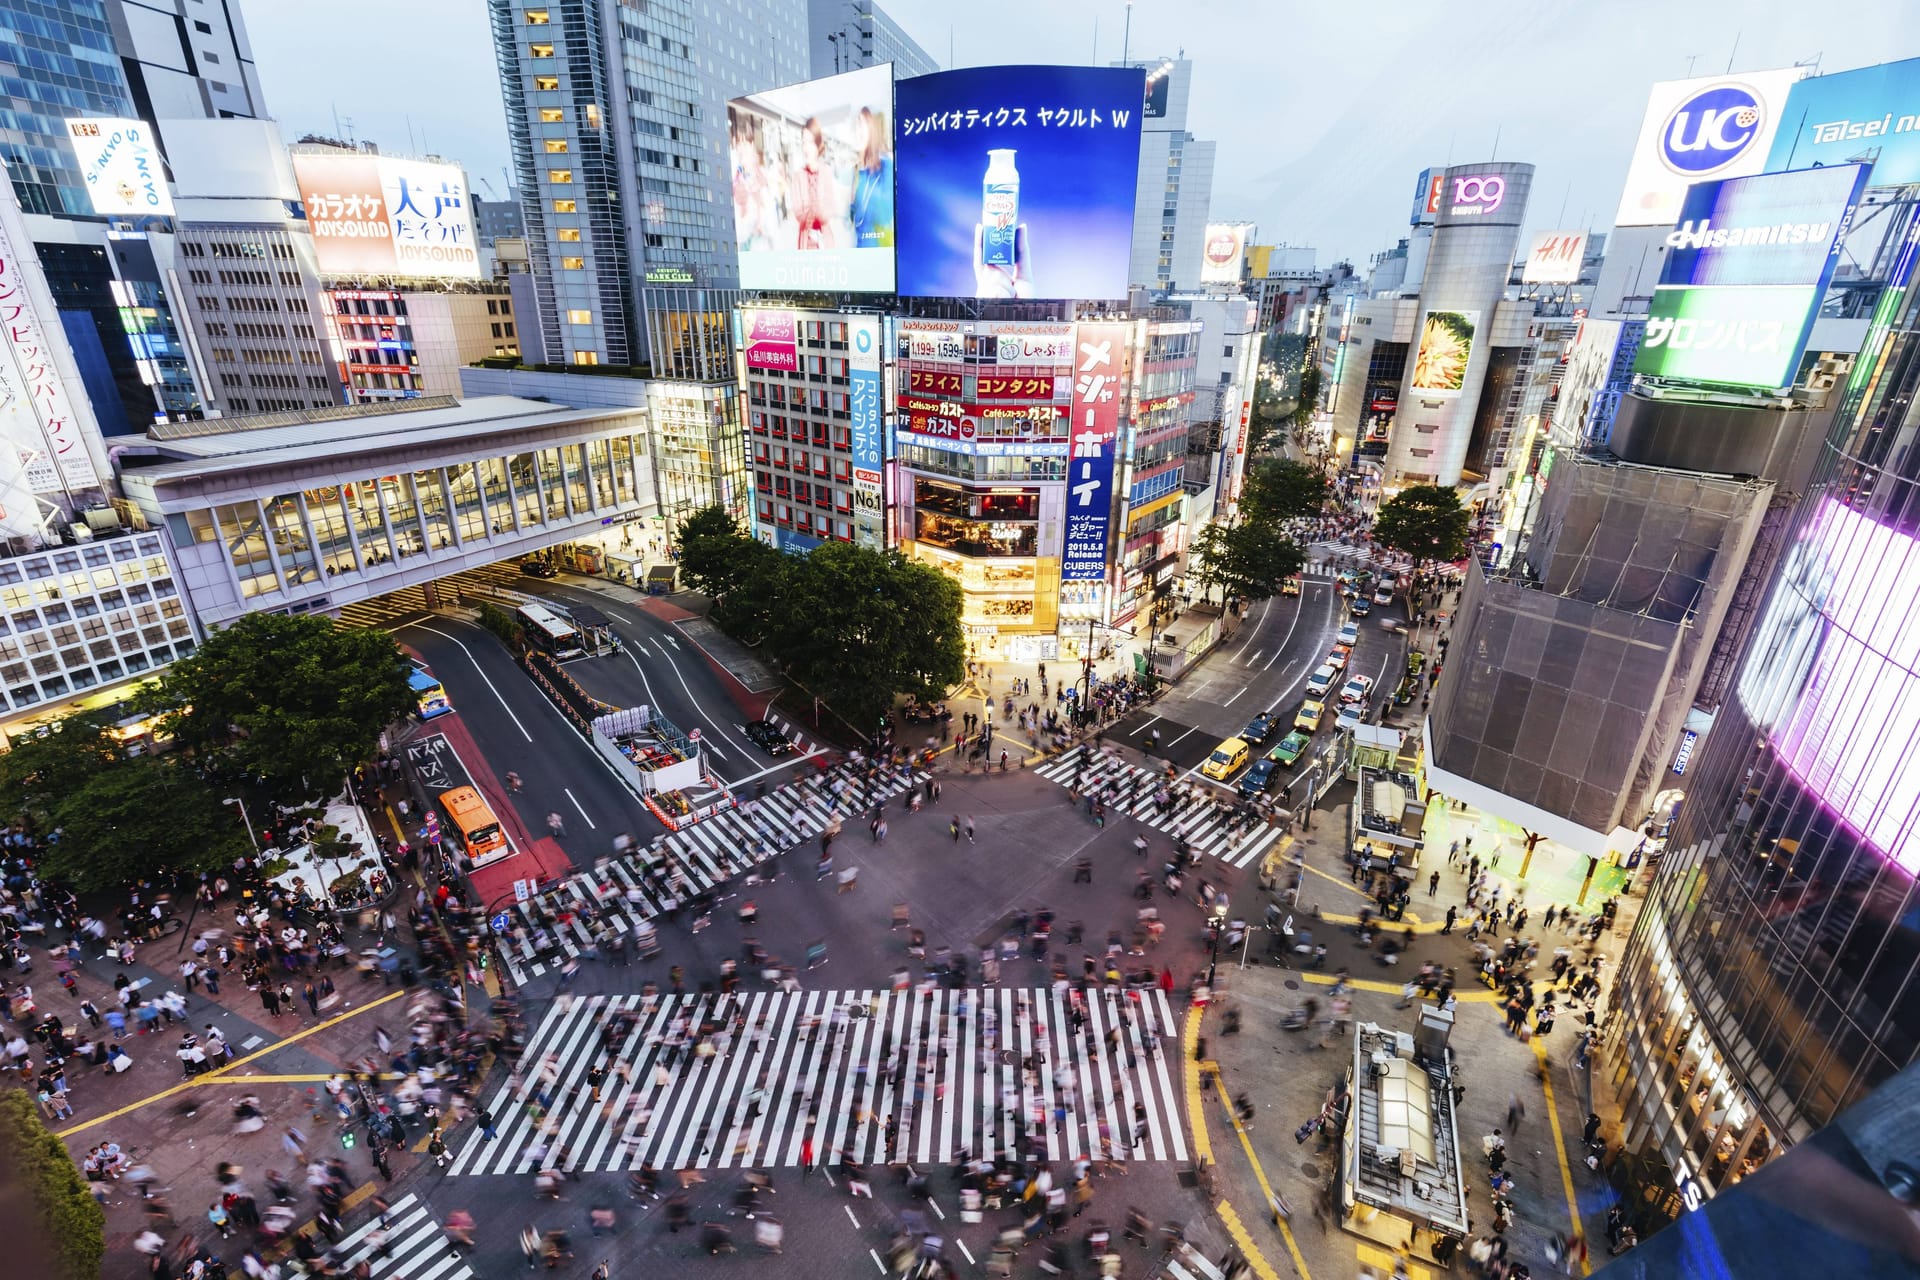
(1189, 1264)
(912, 1077)
(1195, 815)
(709, 854)
(415, 1246)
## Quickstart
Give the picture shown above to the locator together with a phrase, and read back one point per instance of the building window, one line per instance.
(546, 82)
(568, 235)
(573, 264)
(565, 206)
(552, 115)
(540, 50)
(559, 175)
(586, 357)
(537, 17)
(579, 317)
(556, 146)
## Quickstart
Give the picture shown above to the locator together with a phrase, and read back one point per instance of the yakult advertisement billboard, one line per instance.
(381, 215)
(1017, 182)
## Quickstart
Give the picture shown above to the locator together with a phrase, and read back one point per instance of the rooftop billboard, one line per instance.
(1706, 127)
(373, 215)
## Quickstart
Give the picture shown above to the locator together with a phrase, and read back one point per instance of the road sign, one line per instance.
(522, 890)
(501, 924)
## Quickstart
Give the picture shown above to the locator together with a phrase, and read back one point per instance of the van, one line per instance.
(1321, 680)
(1227, 759)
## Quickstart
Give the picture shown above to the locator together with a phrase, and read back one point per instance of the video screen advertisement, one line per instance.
(813, 184)
(1831, 675)
(1830, 120)
(1745, 272)
(1017, 182)
(1446, 346)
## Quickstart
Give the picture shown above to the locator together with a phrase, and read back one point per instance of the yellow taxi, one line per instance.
(1227, 759)
(1312, 712)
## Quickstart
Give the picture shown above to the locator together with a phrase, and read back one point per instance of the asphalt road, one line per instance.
(1264, 668)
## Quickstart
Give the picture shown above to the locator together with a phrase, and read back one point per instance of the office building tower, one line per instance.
(844, 35)
(1176, 182)
(498, 219)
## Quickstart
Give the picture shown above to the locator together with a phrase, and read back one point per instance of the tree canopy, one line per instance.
(1280, 489)
(853, 626)
(1426, 522)
(287, 704)
(1248, 559)
(59, 1230)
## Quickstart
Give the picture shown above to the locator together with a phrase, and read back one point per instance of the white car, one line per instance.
(1384, 595)
(1349, 634)
(1321, 681)
(1358, 689)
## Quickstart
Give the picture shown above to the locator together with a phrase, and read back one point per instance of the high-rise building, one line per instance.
(843, 35)
(498, 219)
(1176, 182)
(617, 116)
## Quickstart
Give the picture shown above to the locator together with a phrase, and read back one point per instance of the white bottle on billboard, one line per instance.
(1000, 211)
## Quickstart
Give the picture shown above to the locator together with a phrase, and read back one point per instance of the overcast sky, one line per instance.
(1324, 112)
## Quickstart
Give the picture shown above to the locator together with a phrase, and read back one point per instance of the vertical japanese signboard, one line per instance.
(863, 368)
(1099, 373)
(43, 428)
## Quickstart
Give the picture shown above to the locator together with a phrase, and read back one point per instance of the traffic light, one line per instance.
(346, 1139)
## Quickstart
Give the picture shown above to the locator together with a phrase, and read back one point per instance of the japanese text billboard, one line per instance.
(1554, 257)
(1221, 252)
(120, 162)
(43, 425)
(813, 184)
(1830, 120)
(1706, 127)
(1099, 373)
(1446, 345)
(385, 216)
(771, 339)
(868, 434)
(1018, 182)
(1745, 272)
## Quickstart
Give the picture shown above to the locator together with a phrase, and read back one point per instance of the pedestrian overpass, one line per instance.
(313, 511)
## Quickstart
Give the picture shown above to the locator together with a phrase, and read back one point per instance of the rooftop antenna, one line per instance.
(1732, 51)
(950, 46)
(1563, 202)
(1096, 39)
(1691, 59)
(1496, 143)
(1126, 39)
(411, 145)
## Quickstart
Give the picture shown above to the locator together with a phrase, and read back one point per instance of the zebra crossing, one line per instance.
(872, 1076)
(1190, 1264)
(1194, 813)
(410, 1246)
(709, 853)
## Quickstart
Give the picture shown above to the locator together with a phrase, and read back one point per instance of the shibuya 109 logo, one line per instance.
(1711, 129)
(1478, 194)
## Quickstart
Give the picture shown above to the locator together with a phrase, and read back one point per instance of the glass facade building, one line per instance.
(1773, 977)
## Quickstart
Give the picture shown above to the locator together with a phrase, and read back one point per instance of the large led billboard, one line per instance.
(1706, 127)
(1830, 120)
(1746, 268)
(121, 165)
(1446, 345)
(813, 184)
(1831, 675)
(387, 216)
(1018, 182)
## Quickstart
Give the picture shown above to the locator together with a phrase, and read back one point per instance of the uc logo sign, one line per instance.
(1711, 129)
(863, 340)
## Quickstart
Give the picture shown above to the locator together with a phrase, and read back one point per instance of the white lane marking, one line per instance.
(1253, 632)
(1229, 702)
(1299, 607)
(591, 824)
(476, 666)
(1195, 729)
(1257, 655)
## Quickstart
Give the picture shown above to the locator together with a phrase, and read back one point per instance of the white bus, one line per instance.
(550, 632)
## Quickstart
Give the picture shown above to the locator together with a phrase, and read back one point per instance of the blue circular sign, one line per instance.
(501, 924)
(863, 340)
(1711, 129)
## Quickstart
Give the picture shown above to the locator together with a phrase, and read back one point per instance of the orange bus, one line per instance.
(472, 823)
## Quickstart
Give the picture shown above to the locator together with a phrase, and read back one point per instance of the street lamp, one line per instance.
(236, 800)
(1216, 923)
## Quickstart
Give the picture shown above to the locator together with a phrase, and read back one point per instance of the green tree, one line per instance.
(1248, 559)
(1280, 489)
(761, 589)
(709, 542)
(287, 704)
(1426, 522)
(41, 1190)
(1308, 398)
(859, 627)
(139, 816)
(40, 769)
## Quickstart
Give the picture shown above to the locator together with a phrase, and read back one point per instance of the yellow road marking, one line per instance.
(221, 1074)
(1251, 1251)
(1196, 1108)
(1374, 1256)
(1559, 1145)
(1260, 1175)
